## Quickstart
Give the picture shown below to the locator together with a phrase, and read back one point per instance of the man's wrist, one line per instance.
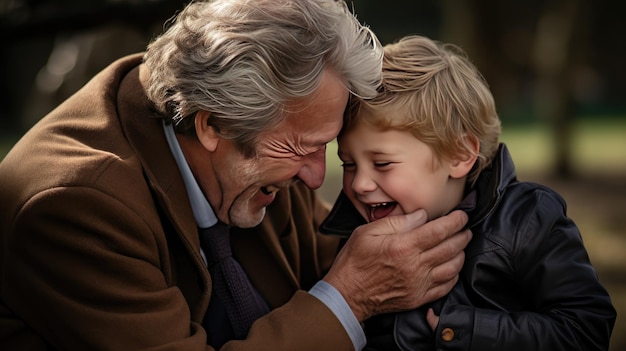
(333, 299)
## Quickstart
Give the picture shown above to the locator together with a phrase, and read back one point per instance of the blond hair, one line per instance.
(433, 90)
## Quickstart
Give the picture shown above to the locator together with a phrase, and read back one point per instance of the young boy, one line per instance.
(430, 140)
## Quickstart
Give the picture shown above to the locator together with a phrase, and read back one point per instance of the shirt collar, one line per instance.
(202, 211)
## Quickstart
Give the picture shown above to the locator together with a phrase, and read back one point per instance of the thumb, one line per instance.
(407, 222)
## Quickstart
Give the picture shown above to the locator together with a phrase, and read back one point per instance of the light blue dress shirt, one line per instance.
(205, 218)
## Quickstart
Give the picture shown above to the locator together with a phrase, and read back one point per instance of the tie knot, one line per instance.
(216, 242)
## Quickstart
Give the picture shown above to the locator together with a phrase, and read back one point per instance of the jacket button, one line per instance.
(447, 334)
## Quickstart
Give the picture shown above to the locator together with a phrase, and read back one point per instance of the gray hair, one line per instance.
(243, 60)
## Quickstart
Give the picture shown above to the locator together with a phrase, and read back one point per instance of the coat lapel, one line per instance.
(145, 134)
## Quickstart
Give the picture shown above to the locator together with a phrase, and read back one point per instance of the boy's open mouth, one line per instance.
(380, 210)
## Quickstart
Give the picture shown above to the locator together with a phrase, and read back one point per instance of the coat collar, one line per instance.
(479, 201)
(145, 134)
(491, 185)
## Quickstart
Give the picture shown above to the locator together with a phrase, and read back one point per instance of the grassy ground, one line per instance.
(596, 196)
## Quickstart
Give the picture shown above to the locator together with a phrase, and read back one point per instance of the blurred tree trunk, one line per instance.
(458, 24)
(553, 62)
(529, 53)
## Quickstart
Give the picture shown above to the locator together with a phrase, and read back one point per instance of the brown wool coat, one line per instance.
(99, 248)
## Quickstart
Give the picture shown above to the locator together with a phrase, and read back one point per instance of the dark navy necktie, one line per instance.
(234, 302)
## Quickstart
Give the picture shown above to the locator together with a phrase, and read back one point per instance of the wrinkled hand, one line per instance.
(398, 262)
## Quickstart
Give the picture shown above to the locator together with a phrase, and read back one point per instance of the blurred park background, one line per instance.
(555, 67)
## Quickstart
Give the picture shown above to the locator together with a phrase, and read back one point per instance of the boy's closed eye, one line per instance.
(351, 165)
(382, 164)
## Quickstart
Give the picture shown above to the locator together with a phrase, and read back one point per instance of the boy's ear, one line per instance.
(207, 135)
(463, 165)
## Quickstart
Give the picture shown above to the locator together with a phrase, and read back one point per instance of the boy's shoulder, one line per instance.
(524, 215)
(525, 196)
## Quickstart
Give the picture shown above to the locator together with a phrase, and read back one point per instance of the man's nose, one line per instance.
(313, 170)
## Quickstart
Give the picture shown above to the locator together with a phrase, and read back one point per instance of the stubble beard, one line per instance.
(241, 213)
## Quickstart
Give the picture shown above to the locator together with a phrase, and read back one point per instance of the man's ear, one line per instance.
(463, 165)
(207, 135)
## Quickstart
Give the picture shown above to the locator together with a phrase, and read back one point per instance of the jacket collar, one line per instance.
(491, 185)
(479, 201)
(342, 219)
(145, 134)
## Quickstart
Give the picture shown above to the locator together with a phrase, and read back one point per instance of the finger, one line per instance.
(399, 223)
(414, 219)
(448, 270)
(440, 290)
(436, 231)
(446, 251)
(432, 319)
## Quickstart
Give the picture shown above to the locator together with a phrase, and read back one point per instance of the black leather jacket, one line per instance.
(527, 283)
